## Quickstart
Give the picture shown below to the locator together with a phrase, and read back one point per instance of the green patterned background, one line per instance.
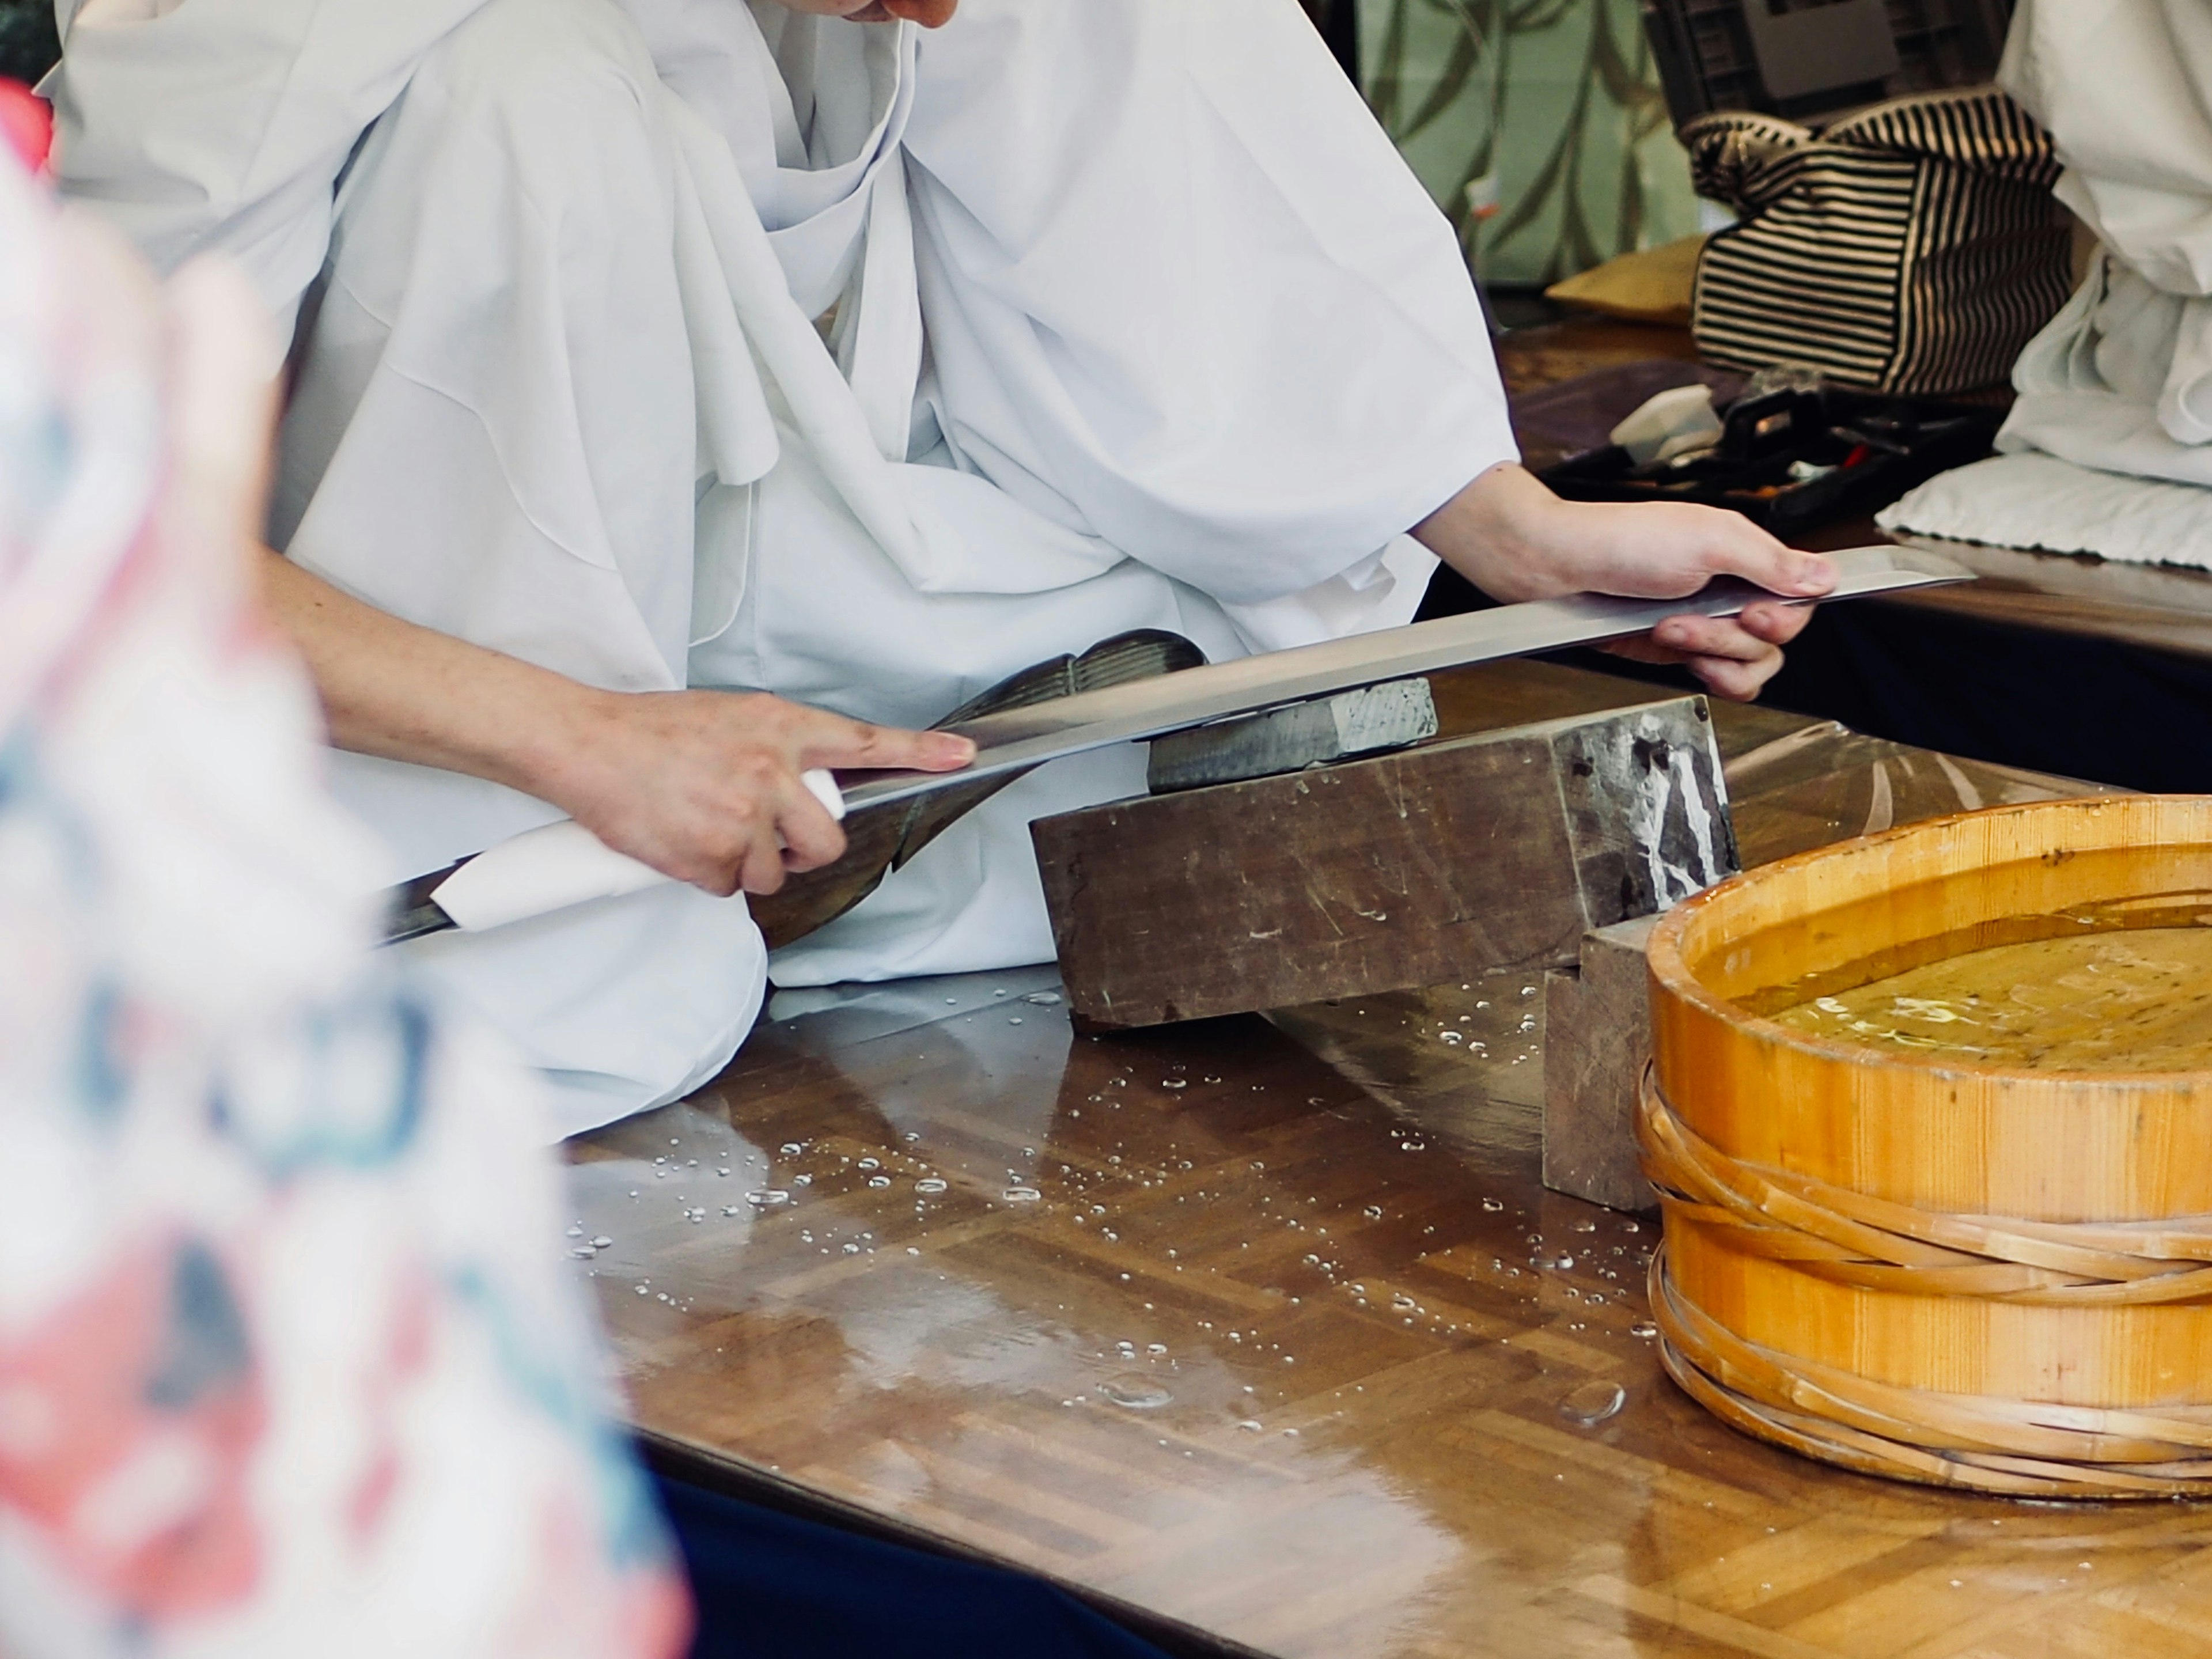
(1559, 99)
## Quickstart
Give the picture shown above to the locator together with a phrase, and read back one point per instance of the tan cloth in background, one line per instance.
(1651, 285)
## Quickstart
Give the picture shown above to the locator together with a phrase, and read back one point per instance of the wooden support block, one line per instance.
(1597, 1038)
(1430, 864)
(1315, 733)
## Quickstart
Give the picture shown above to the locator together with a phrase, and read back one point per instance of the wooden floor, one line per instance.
(1266, 1329)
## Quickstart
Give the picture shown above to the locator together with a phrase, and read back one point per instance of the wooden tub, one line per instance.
(1921, 1267)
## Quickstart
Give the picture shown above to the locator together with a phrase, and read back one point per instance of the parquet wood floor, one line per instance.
(1266, 1326)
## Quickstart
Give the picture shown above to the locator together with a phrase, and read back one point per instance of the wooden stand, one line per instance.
(1415, 868)
(1597, 1040)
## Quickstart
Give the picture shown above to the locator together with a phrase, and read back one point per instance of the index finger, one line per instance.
(837, 743)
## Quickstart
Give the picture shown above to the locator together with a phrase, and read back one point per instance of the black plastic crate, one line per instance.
(1808, 59)
(1793, 461)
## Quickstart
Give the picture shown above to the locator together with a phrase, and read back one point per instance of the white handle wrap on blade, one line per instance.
(549, 869)
(536, 873)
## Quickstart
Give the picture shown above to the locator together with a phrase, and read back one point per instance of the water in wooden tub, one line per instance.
(2133, 1000)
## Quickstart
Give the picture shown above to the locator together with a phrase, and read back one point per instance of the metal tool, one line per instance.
(1025, 738)
(564, 859)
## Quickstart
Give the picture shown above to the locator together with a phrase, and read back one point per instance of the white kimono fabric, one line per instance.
(2122, 379)
(1140, 322)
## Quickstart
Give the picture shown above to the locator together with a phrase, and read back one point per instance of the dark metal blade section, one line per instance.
(1019, 739)
(414, 913)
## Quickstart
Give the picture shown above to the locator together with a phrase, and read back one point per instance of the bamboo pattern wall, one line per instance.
(1557, 99)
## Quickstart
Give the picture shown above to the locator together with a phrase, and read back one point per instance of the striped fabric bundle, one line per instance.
(1912, 248)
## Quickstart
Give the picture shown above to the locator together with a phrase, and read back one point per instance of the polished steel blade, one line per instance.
(1022, 739)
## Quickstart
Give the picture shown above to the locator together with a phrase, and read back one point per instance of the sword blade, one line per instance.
(1020, 739)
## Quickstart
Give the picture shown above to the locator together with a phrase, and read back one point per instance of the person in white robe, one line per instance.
(650, 351)
(2108, 446)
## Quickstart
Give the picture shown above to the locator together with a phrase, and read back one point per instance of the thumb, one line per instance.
(1758, 557)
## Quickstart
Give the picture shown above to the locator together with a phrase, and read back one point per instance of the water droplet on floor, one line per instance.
(1135, 1394)
(1592, 1403)
(1043, 998)
(879, 1180)
(645, 1290)
(576, 1232)
(1643, 1327)
(583, 1253)
(1555, 1263)
(929, 1184)
(1453, 1037)
(1023, 1194)
(768, 1198)
(1155, 1347)
(1249, 1426)
(868, 1163)
(851, 1249)
(602, 1242)
(792, 1149)
(1402, 1303)
(1373, 1213)
(802, 1181)
(1412, 1145)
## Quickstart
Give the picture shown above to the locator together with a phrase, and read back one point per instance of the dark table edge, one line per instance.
(675, 1460)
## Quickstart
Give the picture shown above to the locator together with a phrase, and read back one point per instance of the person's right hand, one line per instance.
(705, 786)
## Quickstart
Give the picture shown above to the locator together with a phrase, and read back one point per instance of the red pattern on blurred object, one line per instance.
(146, 1499)
(27, 124)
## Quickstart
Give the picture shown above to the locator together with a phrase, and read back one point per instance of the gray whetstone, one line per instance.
(1328, 729)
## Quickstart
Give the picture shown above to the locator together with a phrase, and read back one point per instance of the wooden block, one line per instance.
(1315, 733)
(1432, 864)
(1597, 1038)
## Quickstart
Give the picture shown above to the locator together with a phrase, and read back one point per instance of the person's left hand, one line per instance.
(1512, 538)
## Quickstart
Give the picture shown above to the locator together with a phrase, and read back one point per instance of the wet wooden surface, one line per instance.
(1266, 1326)
(1266, 1329)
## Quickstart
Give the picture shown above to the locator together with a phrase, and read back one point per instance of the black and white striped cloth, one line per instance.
(1914, 247)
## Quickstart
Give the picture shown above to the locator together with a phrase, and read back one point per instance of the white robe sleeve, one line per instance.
(1182, 294)
(226, 124)
(2126, 90)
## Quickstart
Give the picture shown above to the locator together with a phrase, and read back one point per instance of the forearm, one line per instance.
(706, 787)
(402, 692)
(1491, 533)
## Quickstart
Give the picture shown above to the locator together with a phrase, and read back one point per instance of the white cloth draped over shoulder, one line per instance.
(1138, 322)
(2108, 449)
(2122, 379)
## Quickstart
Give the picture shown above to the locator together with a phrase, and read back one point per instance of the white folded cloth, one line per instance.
(2047, 504)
